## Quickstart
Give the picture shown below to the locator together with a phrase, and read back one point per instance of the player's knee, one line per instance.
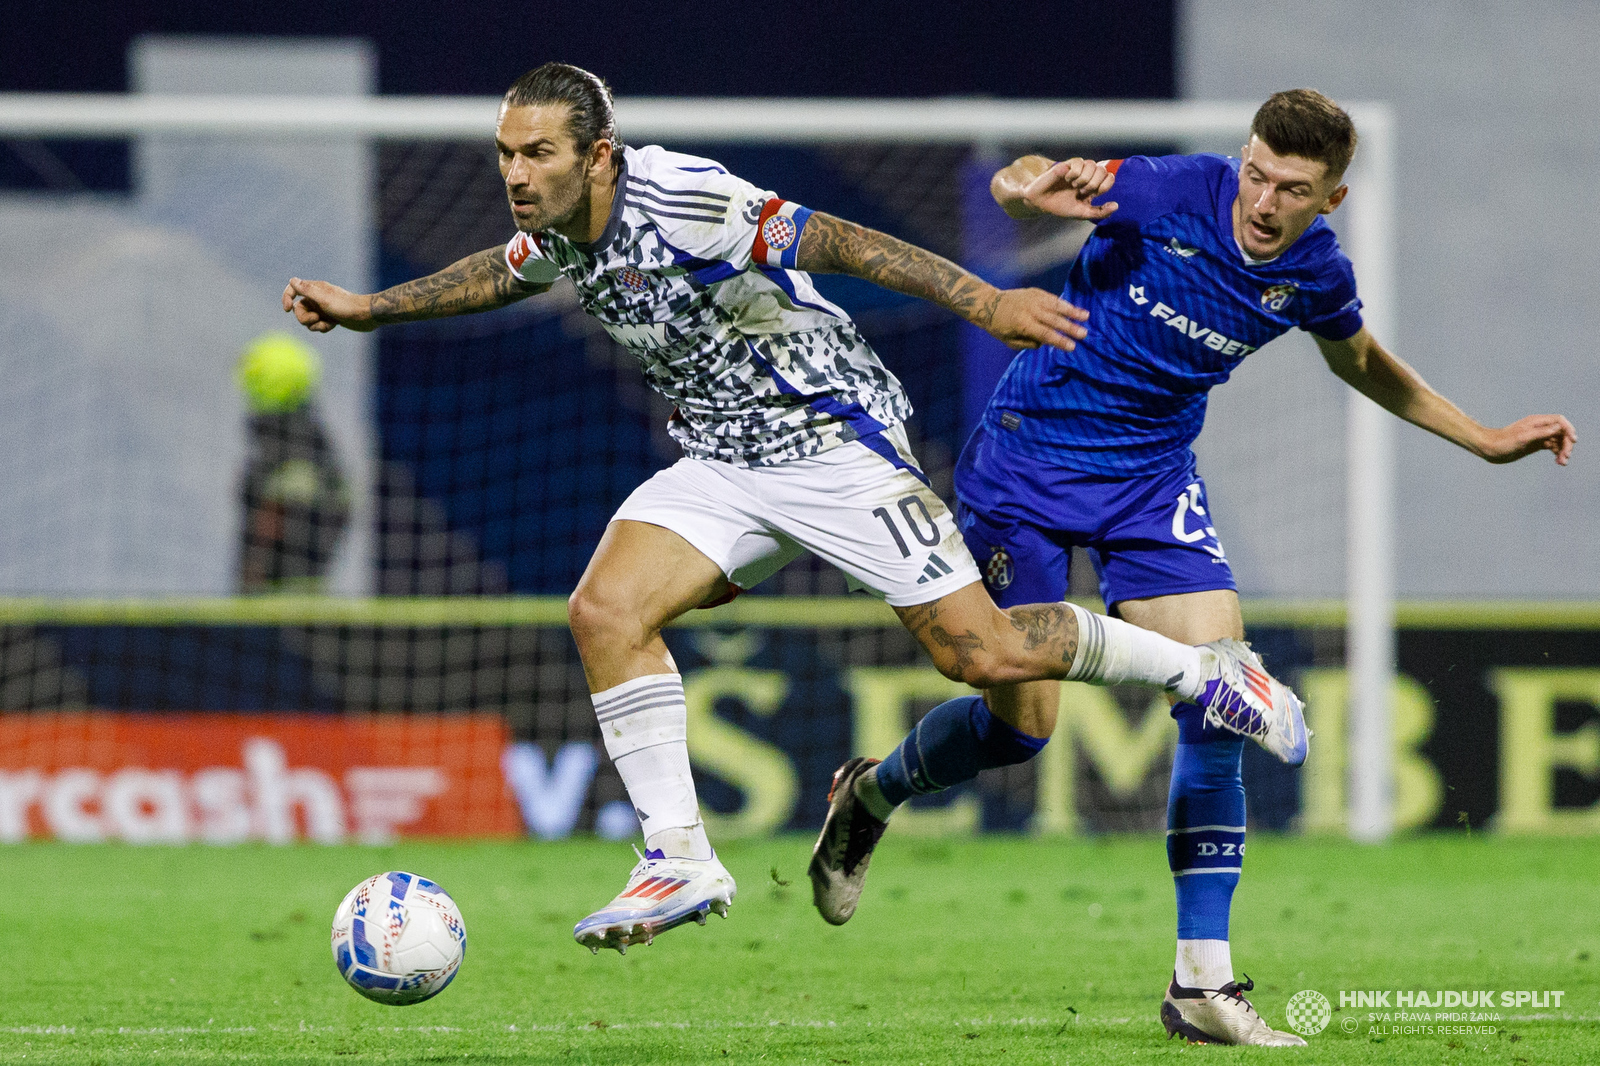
(987, 672)
(947, 665)
(596, 618)
(976, 668)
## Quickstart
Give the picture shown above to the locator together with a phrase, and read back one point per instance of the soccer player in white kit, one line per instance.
(793, 437)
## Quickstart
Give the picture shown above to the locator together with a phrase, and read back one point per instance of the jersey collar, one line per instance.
(1249, 259)
(613, 220)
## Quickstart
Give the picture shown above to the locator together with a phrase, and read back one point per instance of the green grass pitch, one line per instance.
(1003, 950)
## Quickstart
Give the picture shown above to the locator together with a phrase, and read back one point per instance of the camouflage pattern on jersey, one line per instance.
(761, 368)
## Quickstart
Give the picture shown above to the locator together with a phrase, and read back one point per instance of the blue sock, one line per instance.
(950, 745)
(1205, 823)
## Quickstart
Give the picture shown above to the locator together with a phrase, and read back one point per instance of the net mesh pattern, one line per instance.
(501, 444)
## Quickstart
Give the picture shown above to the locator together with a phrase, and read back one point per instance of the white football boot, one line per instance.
(662, 893)
(1219, 1016)
(1241, 697)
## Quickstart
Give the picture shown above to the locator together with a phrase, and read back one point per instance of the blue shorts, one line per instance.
(1148, 535)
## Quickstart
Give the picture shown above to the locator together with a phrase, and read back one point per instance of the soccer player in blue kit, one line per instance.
(1201, 260)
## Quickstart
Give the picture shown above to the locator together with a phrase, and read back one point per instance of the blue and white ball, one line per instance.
(398, 938)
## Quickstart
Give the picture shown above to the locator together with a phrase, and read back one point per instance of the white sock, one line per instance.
(1204, 963)
(871, 796)
(645, 723)
(1110, 651)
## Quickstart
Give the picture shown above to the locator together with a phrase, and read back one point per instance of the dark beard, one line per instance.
(569, 202)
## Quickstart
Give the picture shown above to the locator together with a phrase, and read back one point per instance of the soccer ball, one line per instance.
(398, 939)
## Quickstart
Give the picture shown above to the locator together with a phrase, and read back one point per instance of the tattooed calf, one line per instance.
(963, 643)
(1043, 623)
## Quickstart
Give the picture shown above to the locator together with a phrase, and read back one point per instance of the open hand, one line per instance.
(1067, 187)
(319, 306)
(1536, 433)
(1029, 318)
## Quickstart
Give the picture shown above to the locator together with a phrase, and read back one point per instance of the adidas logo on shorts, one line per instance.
(934, 570)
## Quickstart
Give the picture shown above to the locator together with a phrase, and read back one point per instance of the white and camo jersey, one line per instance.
(695, 275)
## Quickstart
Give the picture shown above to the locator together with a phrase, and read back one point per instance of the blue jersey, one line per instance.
(1174, 305)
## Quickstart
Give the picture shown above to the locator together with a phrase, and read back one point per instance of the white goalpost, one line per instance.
(1367, 228)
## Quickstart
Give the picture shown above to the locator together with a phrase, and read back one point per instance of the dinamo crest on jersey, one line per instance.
(1277, 297)
(779, 232)
(1000, 570)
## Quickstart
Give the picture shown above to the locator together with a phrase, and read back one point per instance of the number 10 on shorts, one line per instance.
(914, 513)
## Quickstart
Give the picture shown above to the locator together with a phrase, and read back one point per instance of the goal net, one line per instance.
(478, 459)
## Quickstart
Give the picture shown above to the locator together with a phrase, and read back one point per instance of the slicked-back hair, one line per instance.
(1304, 123)
(588, 98)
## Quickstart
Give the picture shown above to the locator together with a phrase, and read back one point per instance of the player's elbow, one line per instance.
(1009, 197)
(1000, 189)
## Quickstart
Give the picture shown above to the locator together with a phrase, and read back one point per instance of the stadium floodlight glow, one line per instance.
(1368, 230)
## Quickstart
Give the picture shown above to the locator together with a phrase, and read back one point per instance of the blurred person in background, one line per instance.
(296, 505)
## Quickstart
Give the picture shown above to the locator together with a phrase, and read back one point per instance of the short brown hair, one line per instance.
(1305, 123)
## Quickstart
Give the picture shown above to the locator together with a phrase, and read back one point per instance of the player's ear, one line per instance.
(600, 153)
(1335, 198)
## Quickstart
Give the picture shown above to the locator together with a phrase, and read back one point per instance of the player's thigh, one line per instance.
(646, 573)
(673, 545)
(1188, 617)
(1021, 564)
(963, 632)
(1161, 561)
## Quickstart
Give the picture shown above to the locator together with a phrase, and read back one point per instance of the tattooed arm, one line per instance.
(480, 282)
(1022, 318)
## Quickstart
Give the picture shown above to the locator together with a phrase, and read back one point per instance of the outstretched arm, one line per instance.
(1022, 318)
(1034, 186)
(1388, 381)
(480, 282)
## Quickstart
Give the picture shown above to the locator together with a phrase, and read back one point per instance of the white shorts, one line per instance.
(868, 513)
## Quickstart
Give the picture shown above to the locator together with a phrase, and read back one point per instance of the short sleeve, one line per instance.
(714, 217)
(1148, 187)
(1335, 314)
(525, 256)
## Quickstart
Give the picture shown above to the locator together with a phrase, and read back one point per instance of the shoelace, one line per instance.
(1236, 989)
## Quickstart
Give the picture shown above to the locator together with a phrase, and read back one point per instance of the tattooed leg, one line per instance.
(972, 640)
(1016, 655)
(1046, 625)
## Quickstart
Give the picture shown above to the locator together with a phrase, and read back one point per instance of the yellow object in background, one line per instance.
(278, 373)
